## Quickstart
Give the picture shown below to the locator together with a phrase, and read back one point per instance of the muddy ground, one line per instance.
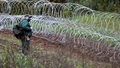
(46, 45)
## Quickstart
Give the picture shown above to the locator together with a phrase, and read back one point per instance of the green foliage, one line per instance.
(10, 40)
(10, 59)
(44, 59)
(94, 33)
(100, 5)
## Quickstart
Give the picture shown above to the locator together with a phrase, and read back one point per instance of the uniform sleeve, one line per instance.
(25, 25)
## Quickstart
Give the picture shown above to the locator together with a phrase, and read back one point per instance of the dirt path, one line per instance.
(34, 40)
(46, 45)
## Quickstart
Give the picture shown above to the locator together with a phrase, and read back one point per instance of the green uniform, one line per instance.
(24, 24)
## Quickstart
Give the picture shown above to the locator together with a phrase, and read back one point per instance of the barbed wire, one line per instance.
(91, 32)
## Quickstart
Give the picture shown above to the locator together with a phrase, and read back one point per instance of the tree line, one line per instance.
(99, 5)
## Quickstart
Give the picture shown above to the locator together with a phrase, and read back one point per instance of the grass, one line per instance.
(11, 40)
(95, 33)
(98, 27)
(104, 27)
(104, 20)
(40, 58)
(109, 21)
(10, 59)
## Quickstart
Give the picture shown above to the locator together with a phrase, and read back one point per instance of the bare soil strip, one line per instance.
(46, 45)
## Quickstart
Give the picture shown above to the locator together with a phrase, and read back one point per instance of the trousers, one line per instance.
(25, 46)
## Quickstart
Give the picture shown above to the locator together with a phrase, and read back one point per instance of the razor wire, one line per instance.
(92, 32)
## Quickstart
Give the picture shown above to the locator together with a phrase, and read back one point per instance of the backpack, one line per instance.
(17, 32)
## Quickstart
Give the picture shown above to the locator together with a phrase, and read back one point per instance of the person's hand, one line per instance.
(30, 27)
(20, 28)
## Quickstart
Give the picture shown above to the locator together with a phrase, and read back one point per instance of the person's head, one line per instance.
(27, 16)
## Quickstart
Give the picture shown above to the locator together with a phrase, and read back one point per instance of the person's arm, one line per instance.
(24, 25)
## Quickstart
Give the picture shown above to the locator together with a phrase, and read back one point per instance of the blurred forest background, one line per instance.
(99, 5)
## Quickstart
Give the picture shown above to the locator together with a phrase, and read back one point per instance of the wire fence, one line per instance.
(94, 33)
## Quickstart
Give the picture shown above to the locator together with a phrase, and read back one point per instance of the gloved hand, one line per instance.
(28, 38)
(31, 28)
(20, 28)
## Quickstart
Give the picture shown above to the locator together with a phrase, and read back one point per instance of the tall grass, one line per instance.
(109, 21)
(41, 58)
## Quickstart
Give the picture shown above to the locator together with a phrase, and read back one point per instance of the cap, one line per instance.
(27, 15)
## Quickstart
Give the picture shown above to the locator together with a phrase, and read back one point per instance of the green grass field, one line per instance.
(10, 58)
